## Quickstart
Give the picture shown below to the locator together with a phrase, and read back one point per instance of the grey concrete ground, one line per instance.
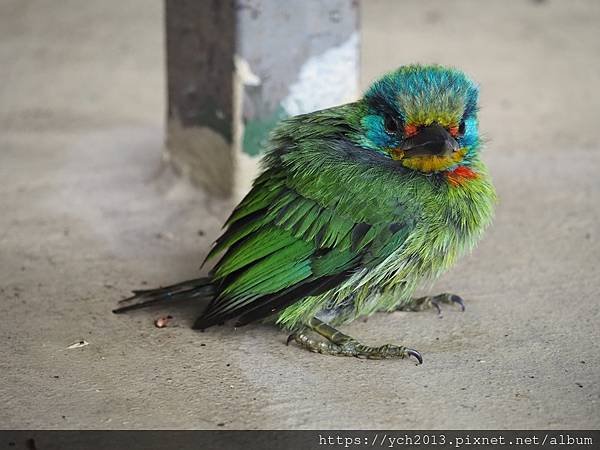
(88, 212)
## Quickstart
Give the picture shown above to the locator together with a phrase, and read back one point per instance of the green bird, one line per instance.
(355, 206)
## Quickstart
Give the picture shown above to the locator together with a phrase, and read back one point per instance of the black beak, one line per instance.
(432, 140)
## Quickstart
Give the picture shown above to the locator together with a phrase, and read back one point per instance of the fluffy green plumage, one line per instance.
(356, 205)
(326, 204)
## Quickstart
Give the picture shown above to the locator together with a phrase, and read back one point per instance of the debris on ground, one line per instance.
(163, 322)
(78, 344)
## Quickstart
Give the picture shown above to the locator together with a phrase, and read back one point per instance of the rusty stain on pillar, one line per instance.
(235, 68)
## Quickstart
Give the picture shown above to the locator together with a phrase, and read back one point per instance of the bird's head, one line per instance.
(424, 117)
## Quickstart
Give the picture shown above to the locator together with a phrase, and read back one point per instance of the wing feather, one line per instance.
(281, 246)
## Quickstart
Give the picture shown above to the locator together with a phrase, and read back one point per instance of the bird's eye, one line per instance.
(461, 127)
(391, 124)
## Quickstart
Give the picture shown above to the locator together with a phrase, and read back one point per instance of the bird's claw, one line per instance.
(415, 354)
(290, 338)
(447, 298)
(459, 301)
(351, 347)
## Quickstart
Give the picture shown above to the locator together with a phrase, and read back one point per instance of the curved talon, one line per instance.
(290, 338)
(459, 301)
(437, 306)
(415, 354)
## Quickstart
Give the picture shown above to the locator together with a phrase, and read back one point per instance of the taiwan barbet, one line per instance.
(355, 207)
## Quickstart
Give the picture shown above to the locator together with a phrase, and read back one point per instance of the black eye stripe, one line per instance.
(392, 121)
(390, 124)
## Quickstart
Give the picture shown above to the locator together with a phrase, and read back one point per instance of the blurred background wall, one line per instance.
(79, 65)
(72, 64)
(237, 68)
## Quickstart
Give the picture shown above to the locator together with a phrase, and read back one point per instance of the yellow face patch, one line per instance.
(428, 164)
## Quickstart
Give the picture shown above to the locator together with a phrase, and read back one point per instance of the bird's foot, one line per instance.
(339, 344)
(432, 301)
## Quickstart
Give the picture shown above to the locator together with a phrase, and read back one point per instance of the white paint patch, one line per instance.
(246, 167)
(244, 72)
(325, 80)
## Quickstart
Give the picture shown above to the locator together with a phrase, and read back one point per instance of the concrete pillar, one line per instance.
(237, 67)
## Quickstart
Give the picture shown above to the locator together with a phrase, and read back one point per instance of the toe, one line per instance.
(458, 300)
(415, 354)
(290, 338)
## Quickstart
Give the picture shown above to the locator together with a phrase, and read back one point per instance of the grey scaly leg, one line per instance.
(340, 344)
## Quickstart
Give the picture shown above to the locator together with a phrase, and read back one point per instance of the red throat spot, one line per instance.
(461, 174)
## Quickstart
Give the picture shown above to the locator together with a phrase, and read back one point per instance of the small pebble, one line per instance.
(162, 322)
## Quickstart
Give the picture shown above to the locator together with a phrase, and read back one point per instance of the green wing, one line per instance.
(280, 247)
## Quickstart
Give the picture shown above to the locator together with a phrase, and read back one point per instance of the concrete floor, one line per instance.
(89, 212)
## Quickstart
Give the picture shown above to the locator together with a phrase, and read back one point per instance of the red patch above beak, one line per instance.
(410, 130)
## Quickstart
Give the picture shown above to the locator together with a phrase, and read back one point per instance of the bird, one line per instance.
(355, 206)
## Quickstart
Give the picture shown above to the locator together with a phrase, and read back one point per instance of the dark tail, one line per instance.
(197, 289)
